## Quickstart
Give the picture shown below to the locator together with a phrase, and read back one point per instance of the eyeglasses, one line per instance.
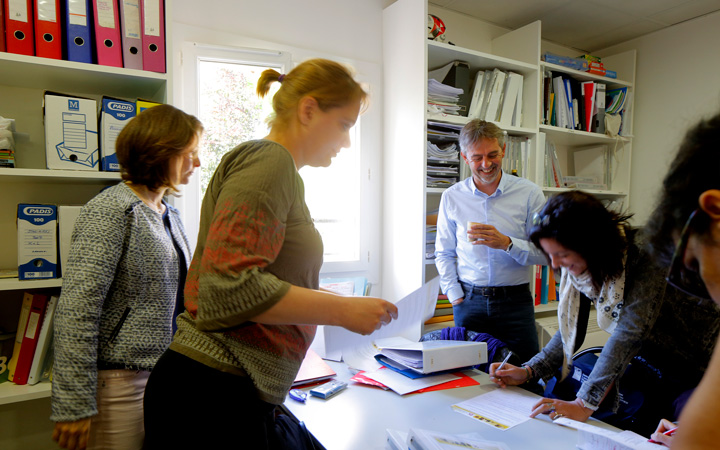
(543, 220)
(680, 276)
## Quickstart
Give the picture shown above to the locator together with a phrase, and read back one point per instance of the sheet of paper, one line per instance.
(499, 408)
(413, 310)
(591, 437)
(404, 385)
(440, 73)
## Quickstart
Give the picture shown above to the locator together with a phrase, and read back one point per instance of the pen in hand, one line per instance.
(502, 364)
(669, 432)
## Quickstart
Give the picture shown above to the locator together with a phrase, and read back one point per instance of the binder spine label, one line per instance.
(46, 10)
(132, 18)
(77, 12)
(106, 13)
(18, 10)
(152, 17)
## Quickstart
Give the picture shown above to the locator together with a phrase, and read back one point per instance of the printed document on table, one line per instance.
(500, 408)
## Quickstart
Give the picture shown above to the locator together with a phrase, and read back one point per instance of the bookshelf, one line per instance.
(23, 80)
(407, 57)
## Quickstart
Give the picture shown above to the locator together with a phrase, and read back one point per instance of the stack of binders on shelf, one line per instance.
(443, 311)
(497, 97)
(568, 103)
(515, 161)
(545, 289)
(117, 33)
(31, 360)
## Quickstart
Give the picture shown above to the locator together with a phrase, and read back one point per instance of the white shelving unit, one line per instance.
(23, 80)
(408, 55)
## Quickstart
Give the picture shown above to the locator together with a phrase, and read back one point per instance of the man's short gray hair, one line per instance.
(477, 129)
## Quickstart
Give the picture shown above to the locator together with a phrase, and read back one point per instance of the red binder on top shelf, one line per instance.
(30, 337)
(106, 25)
(19, 27)
(152, 18)
(48, 40)
(130, 34)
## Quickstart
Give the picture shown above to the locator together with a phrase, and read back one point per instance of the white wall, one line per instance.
(347, 28)
(677, 83)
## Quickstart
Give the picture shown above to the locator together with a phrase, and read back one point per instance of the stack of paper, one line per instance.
(443, 99)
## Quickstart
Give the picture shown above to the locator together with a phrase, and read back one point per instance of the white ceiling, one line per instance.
(587, 25)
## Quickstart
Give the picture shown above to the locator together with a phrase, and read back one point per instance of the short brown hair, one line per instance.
(330, 83)
(149, 141)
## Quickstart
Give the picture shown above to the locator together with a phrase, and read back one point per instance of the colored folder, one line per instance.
(30, 338)
(2, 26)
(130, 34)
(19, 27)
(106, 27)
(48, 38)
(153, 35)
(78, 32)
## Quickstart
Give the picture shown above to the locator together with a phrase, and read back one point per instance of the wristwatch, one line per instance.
(507, 250)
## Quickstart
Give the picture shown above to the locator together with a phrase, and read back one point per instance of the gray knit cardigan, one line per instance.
(121, 258)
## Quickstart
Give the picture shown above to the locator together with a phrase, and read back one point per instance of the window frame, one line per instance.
(189, 202)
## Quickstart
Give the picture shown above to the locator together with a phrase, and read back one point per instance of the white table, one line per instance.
(357, 417)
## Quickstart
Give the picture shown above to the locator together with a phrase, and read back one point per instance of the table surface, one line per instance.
(357, 417)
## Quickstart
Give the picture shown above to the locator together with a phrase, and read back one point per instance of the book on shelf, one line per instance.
(44, 343)
(588, 89)
(513, 86)
(494, 102)
(22, 322)
(30, 337)
(439, 319)
(599, 122)
(478, 94)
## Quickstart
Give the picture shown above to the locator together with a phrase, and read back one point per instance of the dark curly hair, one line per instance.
(695, 169)
(581, 223)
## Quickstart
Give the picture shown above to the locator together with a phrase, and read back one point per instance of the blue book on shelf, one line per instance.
(78, 30)
(545, 284)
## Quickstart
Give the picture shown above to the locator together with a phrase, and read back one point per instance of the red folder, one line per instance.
(106, 25)
(48, 40)
(2, 26)
(30, 338)
(152, 16)
(19, 27)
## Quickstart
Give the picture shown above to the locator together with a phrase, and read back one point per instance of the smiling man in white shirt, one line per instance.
(482, 251)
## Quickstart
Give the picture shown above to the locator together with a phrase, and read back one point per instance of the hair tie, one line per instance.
(281, 78)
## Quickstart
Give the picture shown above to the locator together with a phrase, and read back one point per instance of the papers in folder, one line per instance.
(432, 356)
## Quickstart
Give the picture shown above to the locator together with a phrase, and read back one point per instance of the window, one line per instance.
(220, 88)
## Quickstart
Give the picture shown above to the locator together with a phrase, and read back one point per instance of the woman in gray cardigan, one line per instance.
(657, 327)
(123, 285)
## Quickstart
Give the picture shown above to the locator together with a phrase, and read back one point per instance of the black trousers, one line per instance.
(189, 405)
